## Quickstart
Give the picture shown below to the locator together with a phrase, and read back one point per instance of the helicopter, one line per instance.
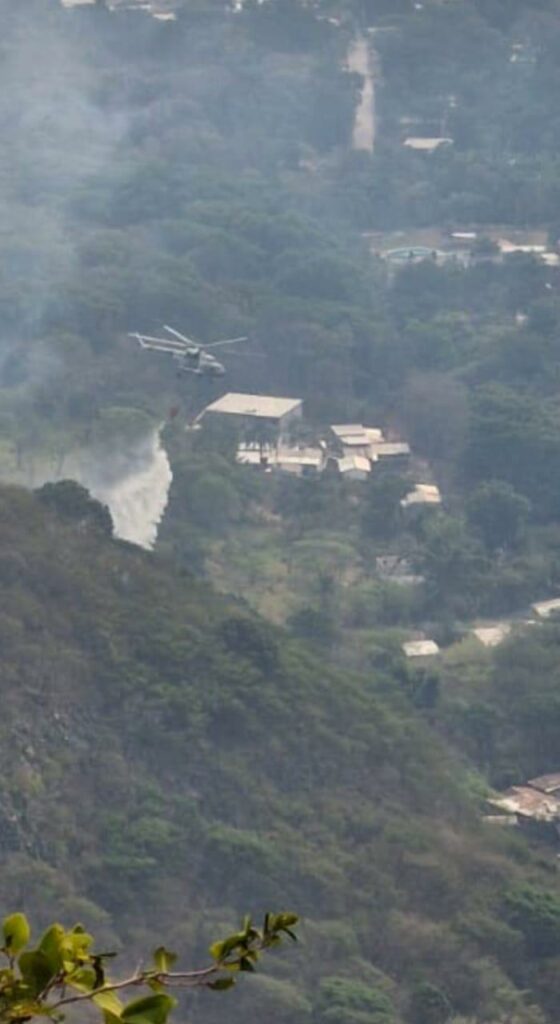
(192, 357)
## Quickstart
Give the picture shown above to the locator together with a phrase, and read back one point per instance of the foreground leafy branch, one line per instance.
(63, 969)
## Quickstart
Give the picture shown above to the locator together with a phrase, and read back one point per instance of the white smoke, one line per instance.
(135, 491)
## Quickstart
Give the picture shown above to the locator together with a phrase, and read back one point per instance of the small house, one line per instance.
(423, 494)
(391, 454)
(492, 636)
(354, 467)
(545, 609)
(420, 648)
(426, 145)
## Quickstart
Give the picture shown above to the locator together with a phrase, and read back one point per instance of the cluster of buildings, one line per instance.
(357, 449)
(269, 425)
(534, 806)
(489, 634)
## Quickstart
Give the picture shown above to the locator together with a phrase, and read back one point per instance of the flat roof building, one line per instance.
(278, 412)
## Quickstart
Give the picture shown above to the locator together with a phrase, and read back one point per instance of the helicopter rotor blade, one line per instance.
(226, 341)
(247, 355)
(159, 344)
(181, 337)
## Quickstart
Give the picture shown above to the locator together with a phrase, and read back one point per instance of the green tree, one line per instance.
(74, 503)
(64, 970)
(429, 1005)
(499, 514)
(213, 501)
(382, 513)
(350, 1001)
(451, 560)
(536, 913)
(436, 416)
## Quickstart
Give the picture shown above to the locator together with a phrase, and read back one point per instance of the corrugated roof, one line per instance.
(346, 429)
(355, 441)
(351, 463)
(267, 406)
(546, 783)
(388, 448)
(374, 434)
(356, 434)
(529, 803)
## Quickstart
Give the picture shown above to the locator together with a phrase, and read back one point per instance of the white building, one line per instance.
(278, 413)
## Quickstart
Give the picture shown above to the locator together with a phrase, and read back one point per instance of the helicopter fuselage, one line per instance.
(195, 360)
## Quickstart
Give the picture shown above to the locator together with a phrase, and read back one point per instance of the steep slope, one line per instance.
(168, 759)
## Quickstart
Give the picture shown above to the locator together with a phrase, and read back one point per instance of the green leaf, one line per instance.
(284, 921)
(109, 1002)
(219, 950)
(221, 984)
(51, 946)
(163, 959)
(16, 933)
(216, 950)
(110, 1018)
(78, 941)
(83, 979)
(36, 971)
(74, 948)
(148, 1010)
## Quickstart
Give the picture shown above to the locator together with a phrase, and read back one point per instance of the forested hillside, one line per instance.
(169, 760)
(230, 723)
